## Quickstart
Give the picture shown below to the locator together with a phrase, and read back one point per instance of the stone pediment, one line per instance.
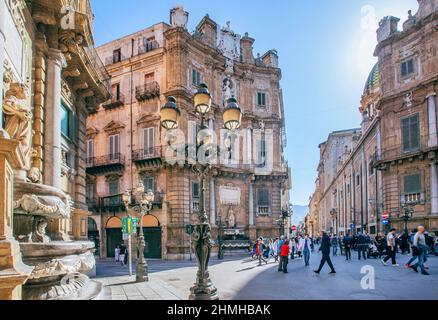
(114, 127)
(148, 117)
(91, 132)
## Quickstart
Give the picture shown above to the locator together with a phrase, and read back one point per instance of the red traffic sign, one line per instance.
(293, 228)
(385, 215)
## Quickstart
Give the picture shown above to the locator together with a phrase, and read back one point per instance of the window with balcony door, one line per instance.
(148, 141)
(261, 152)
(195, 196)
(113, 187)
(115, 90)
(114, 147)
(412, 188)
(410, 127)
(263, 201)
(89, 190)
(117, 55)
(90, 151)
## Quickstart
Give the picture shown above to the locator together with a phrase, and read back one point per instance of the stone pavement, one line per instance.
(241, 278)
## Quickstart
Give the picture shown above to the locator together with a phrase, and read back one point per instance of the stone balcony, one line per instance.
(111, 163)
(116, 101)
(147, 91)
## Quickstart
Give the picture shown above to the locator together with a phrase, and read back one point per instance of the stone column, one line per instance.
(251, 203)
(52, 135)
(2, 60)
(431, 107)
(13, 272)
(212, 201)
(434, 188)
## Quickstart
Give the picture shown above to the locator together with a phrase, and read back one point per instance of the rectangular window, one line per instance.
(113, 187)
(411, 133)
(261, 152)
(407, 67)
(149, 78)
(117, 55)
(148, 141)
(357, 180)
(89, 191)
(115, 90)
(412, 187)
(371, 167)
(114, 147)
(263, 201)
(195, 196)
(148, 184)
(90, 151)
(196, 77)
(65, 121)
(261, 100)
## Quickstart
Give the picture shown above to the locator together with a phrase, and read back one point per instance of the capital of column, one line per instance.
(56, 56)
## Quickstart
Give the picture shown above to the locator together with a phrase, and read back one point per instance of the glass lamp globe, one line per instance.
(232, 115)
(170, 114)
(202, 100)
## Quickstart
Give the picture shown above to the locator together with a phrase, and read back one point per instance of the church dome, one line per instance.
(373, 82)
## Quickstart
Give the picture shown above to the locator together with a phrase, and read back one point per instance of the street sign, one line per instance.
(129, 225)
(385, 222)
(294, 228)
(352, 226)
(385, 215)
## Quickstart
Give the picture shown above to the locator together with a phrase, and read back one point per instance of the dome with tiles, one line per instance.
(373, 82)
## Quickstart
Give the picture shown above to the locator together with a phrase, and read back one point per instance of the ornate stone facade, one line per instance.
(166, 60)
(393, 162)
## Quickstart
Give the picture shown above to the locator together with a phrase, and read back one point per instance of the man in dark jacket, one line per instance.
(361, 245)
(325, 249)
(347, 245)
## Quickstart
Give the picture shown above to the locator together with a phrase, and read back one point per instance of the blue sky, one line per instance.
(325, 49)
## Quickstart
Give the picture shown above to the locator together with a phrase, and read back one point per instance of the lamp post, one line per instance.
(203, 289)
(407, 215)
(144, 207)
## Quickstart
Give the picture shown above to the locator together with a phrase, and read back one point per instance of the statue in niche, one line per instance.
(227, 89)
(18, 120)
(38, 234)
(408, 99)
(231, 219)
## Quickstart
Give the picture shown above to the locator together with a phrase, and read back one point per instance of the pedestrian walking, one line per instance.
(284, 257)
(335, 243)
(117, 254)
(325, 250)
(275, 249)
(362, 246)
(305, 248)
(292, 248)
(391, 248)
(347, 246)
(299, 251)
(421, 250)
(260, 248)
(123, 251)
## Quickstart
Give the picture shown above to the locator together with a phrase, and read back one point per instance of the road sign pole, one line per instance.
(130, 255)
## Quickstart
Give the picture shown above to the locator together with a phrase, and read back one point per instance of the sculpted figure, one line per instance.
(38, 235)
(18, 120)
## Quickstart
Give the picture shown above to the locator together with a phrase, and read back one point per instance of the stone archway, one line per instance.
(113, 229)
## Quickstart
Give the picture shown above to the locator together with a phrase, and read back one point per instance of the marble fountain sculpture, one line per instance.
(59, 264)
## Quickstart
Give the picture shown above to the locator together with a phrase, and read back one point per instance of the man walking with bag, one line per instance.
(325, 249)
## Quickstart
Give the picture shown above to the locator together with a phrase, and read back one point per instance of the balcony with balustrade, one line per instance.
(147, 91)
(116, 101)
(112, 163)
(147, 158)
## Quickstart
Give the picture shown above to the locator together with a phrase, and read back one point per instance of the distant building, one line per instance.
(126, 143)
(392, 161)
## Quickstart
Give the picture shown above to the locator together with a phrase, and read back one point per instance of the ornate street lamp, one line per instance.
(407, 215)
(203, 289)
(144, 207)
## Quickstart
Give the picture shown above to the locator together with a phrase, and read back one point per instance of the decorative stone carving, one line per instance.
(17, 117)
(228, 42)
(228, 89)
(34, 175)
(114, 127)
(38, 234)
(50, 207)
(408, 99)
(179, 17)
(229, 195)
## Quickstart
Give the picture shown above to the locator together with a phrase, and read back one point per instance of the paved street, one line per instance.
(241, 278)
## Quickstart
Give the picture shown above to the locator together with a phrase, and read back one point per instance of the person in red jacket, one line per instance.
(284, 257)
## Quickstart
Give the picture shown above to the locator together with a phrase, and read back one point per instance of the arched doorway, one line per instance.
(93, 235)
(152, 237)
(113, 235)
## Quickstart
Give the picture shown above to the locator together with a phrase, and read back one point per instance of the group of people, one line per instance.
(419, 244)
(121, 255)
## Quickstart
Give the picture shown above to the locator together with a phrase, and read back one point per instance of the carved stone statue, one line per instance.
(227, 89)
(17, 118)
(231, 219)
(38, 234)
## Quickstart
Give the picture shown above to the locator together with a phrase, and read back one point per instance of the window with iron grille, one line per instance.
(410, 127)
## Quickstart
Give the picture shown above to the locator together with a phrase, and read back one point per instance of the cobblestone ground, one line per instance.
(241, 278)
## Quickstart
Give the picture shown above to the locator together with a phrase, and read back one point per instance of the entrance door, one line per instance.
(152, 238)
(93, 235)
(113, 239)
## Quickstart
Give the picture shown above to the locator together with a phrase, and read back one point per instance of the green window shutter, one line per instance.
(415, 132)
(263, 197)
(412, 184)
(195, 190)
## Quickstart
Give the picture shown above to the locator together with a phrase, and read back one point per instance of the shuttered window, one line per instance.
(148, 141)
(90, 151)
(113, 187)
(412, 184)
(261, 100)
(263, 197)
(410, 127)
(114, 147)
(195, 190)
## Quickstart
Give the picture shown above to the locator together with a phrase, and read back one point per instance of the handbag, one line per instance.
(415, 251)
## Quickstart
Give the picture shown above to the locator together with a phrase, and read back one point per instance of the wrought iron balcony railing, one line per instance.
(147, 91)
(114, 59)
(146, 154)
(105, 164)
(92, 203)
(112, 202)
(116, 101)
(407, 148)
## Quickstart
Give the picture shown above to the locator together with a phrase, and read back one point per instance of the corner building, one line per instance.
(126, 143)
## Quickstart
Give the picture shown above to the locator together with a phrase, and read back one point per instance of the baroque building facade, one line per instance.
(51, 78)
(393, 162)
(126, 143)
